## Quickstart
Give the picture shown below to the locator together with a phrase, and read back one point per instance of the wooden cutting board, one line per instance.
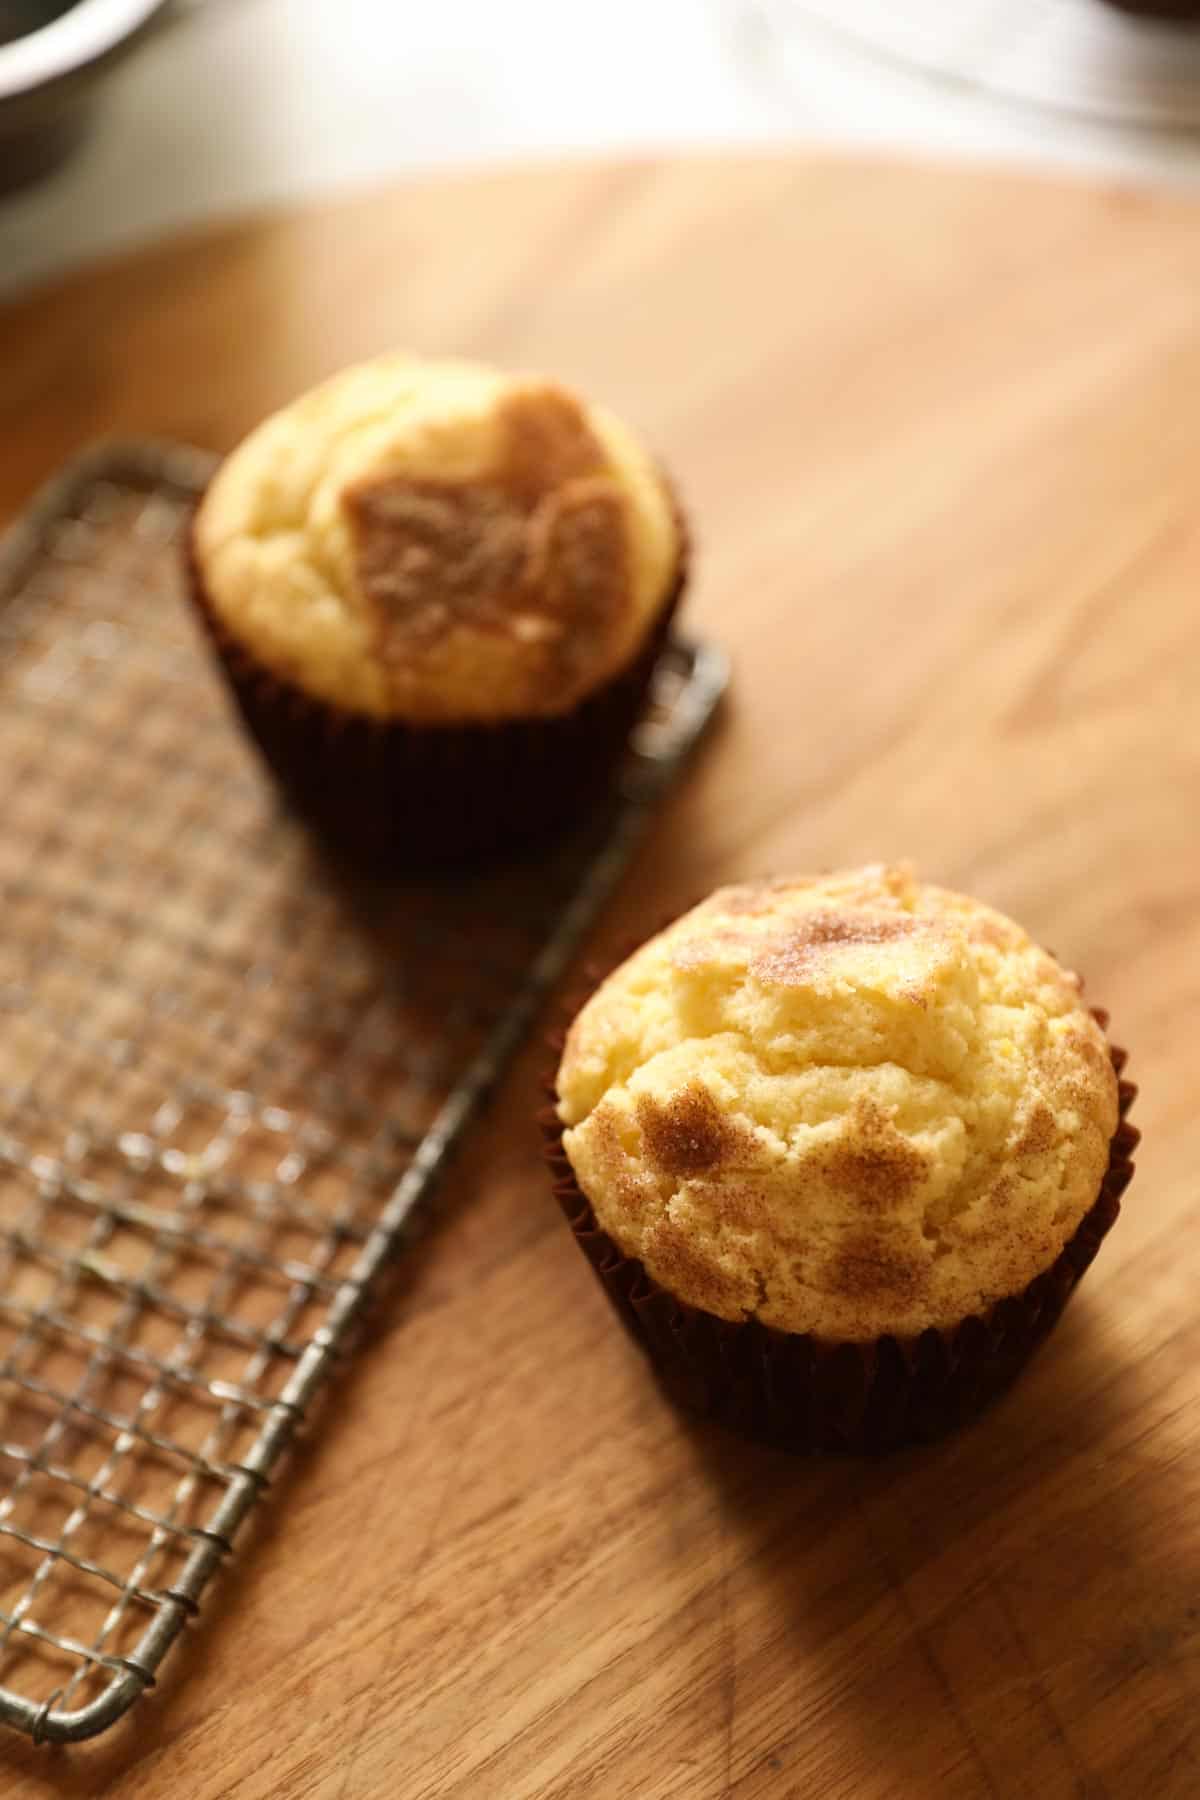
(940, 434)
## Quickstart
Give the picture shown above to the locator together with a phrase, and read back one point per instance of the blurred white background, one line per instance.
(241, 103)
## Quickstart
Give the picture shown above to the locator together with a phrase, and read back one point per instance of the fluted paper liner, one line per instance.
(393, 794)
(805, 1393)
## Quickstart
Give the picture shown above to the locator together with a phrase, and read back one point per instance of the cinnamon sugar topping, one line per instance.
(854, 1105)
(440, 542)
(536, 553)
(687, 1135)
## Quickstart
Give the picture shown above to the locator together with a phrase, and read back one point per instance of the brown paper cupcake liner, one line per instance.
(803, 1393)
(392, 794)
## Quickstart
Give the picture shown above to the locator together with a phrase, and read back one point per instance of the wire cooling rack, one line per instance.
(1074, 56)
(227, 1081)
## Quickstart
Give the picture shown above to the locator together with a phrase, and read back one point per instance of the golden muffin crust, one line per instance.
(852, 1105)
(437, 542)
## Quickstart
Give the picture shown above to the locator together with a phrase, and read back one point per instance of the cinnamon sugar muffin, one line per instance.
(856, 1117)
(439, 592)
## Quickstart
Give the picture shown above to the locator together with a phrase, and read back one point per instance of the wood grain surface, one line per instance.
(940, 435)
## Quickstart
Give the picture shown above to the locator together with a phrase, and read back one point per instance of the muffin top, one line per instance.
(438, 542)
(852, 1105)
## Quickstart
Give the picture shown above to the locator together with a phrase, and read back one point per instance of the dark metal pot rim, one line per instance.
(79, 37)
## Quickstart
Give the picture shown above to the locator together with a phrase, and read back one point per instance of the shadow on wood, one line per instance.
(948, 1619)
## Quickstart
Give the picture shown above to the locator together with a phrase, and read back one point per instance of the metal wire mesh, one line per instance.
(227, 1080)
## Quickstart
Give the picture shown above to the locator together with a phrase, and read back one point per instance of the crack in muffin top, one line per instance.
(439, 542)
(854, 1105)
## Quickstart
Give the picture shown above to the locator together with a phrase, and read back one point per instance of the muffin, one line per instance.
(439, 593)
(839, 1149)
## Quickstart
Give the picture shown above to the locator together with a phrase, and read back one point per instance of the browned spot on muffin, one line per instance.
(579, 568)
(689, 1135)
(604, 1125)
(546, 443)
(613, 1163)
(1040, 1133)
(871, 1269)
(681, 1270)
(990, 931)
(736, 1205)
(998, 1198)
(1093, 1094)
(988, 1218)
(431, 555)
(873, 1162)
(1084, 1045)
(535, 550)
(790, 956)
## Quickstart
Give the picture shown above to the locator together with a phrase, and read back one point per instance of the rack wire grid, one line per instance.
(227, 1080)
